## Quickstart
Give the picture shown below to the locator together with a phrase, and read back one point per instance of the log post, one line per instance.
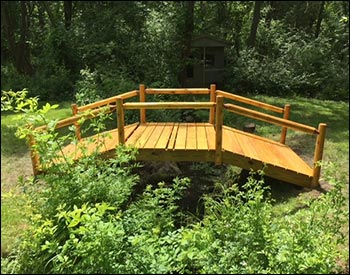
(34, 155)
(142, 99)
(212, 99)
(120, 119)
(76, 124)
(318, 153)
(286, 113)
(218, 129)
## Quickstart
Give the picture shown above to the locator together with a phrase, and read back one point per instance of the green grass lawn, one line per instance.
(15, 159)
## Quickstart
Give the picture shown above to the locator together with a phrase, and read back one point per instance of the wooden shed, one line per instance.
(207, 63)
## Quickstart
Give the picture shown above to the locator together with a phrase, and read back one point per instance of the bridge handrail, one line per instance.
(176, 91)
(250, 101)
(168, 105)
(107, 101)
(270, 119)
(73, 119)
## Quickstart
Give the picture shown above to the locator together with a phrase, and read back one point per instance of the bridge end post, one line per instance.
(33, 153)
(76, 124)
(218, 129)
(142, 99)
(212, 99)
(120, 118)
(286, 113)
(318, 154)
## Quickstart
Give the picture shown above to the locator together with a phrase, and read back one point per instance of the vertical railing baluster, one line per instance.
(120, 119)
(218, 129)
(318, 153)
(212, 99)
(76, 124)
(33, 153)
(286, 113)
(142, 99)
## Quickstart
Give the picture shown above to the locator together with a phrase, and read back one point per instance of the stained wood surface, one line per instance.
(191, 137)
(174, 136)
(196, 141)
(263, 150)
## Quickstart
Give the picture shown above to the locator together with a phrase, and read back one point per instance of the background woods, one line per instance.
(273, 47)
(118, 216)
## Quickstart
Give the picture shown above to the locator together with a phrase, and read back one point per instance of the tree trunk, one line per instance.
(271, 12)
(46, 7)
(68, 14)
(19, 51)
(187, 40)
(255, 23)
(319, 19)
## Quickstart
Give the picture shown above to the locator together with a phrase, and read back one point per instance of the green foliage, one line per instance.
(127, 43)
(87, 88)
(87, 219)
(286, 62)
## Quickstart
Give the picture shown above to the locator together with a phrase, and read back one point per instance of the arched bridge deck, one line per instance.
(212, 141)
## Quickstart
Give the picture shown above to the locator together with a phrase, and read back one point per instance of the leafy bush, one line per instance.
(87, 219)
(296, 64)
(52, 84)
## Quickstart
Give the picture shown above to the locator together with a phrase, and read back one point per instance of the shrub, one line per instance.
(87, 219)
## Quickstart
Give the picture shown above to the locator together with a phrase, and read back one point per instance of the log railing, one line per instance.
(215, 105)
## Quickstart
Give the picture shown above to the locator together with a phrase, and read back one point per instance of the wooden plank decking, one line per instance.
(196, 142)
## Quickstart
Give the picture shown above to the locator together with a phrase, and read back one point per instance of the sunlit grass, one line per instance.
(15, 160)
(14, 218)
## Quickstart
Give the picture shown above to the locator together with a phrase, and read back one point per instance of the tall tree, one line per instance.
(19, 50)
(186, 39)
(46, 7)
(255, 23)
(271, 11)
(68, 8)
(319, 19)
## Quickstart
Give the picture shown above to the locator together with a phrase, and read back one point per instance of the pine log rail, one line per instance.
(212, 141)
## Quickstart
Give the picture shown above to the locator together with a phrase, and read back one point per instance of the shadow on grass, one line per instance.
(312, 112)
(10, 144)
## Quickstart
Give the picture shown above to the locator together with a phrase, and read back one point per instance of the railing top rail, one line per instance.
(250, 101)
(71, 120)
(271, 119)
(168, 105)
(107, 101)
(179, 91)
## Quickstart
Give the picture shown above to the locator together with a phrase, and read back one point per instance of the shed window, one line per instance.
(209, 60)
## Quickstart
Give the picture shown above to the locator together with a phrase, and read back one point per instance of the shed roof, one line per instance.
(208, 41)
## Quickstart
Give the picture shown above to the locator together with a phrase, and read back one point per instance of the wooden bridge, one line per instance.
(211, 141)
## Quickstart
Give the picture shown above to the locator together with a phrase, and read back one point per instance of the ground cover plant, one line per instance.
(117, 223)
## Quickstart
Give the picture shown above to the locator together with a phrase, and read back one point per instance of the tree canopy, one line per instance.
(275, 47)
